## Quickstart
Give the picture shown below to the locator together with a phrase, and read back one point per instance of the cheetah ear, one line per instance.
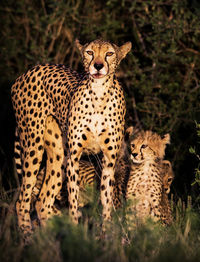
(167, 163)
(131, 131)
(166, 138)
(79, 46)
(123, 50)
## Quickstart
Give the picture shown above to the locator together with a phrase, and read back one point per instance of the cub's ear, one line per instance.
(167, 164)
(166, 138)
(131, 131)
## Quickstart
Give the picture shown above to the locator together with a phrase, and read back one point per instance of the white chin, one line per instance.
(136, 161)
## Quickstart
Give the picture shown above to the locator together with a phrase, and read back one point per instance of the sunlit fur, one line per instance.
(145, 184)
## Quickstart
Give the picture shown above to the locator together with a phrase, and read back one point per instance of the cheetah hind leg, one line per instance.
(54, 147)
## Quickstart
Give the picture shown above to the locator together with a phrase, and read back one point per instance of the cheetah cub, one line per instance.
(96, 119)
(167, 178)
(145, 185)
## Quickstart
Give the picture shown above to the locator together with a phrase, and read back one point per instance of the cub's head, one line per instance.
(148, 146)
(101, 58)
(168, 175)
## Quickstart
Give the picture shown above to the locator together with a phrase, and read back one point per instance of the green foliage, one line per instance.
(61, 240)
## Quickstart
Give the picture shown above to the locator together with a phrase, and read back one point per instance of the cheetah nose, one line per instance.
(134, 155)
(98, 66)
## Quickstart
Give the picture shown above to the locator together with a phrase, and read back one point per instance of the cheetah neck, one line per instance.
(147, 167)
(101, 87)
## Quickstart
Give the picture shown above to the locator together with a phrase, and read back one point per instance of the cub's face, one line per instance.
(141, 151)
(168, 175)
(148, 146)
(101, 58)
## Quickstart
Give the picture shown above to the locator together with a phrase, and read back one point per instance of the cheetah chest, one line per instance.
(145, 179)
(96, 116)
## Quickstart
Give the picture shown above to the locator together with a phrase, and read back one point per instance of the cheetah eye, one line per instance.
(89, 52)
(109, 53)
(169, 180)
(132, 146)
(143, 146)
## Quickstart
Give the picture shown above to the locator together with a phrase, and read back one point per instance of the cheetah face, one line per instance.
(167, 183)
(141, 152)
(148, 146)
(101, 58)
(168, 175)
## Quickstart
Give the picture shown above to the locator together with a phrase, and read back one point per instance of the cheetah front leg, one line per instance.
(107, 182)
(110, 150)
(54, 146)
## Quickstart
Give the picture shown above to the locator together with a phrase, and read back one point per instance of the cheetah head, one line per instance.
(168, 175)
(148, 146)
(101, 58)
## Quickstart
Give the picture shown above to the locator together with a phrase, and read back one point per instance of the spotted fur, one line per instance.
(145, 187)
(40, 100)
(123, 176)
(42, 91)
(96, 119)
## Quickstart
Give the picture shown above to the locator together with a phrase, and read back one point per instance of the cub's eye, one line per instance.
(169, 180)
(143, 146)
(109, 53)
(132, 146)
(89, 52)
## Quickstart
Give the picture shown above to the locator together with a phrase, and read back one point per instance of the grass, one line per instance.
(61, 241)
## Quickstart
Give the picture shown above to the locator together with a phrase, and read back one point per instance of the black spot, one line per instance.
(37, 140)
(35, 161)
(106, 140)
(103, 187)
(47, 143)
(49, 131)
(84, 137)
(79, 144)
(28, 174)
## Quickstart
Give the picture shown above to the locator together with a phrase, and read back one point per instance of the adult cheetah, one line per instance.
(41, 104)
(96, 119)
